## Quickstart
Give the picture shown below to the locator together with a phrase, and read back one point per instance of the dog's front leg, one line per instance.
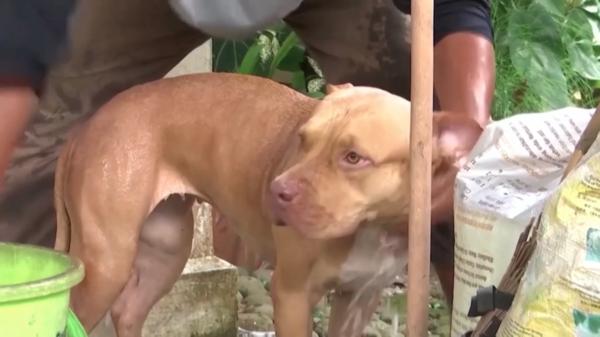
(351, 311)
(291, 303)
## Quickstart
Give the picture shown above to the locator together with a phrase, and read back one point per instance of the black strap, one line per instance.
(488, 299)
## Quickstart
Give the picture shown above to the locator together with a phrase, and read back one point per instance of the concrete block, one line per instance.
(202, 303)
(198, 61)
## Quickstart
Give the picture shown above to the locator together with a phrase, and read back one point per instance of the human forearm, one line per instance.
(464, 75)
(464, 64)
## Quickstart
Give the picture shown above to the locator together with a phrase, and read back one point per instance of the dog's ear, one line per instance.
(454, 136)
(331, 88)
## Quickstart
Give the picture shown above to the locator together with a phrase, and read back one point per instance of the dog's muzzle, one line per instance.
(283, 194)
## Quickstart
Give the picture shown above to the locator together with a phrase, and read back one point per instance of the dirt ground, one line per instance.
(256, 310)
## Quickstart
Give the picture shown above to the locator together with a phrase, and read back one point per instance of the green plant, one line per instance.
(270, 54)
(546, 54)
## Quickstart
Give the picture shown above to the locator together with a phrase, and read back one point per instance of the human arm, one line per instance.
(464, 63)
(32, 32)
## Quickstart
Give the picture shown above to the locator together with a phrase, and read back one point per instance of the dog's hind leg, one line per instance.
(104, 236)
(164, 247)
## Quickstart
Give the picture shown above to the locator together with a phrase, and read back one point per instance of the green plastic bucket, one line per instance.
(35, 284)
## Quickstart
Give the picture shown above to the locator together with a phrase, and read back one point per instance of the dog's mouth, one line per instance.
(300, 214)
(328, 232)
(312, 220)
(319, 228)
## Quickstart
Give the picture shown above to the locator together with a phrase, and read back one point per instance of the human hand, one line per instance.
(456, 136)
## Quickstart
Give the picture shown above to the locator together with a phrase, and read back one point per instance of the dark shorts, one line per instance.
(364, 42)
(442, 244)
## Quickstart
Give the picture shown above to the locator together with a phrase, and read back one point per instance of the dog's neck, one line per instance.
(380, 243)
(393, 225)
(287, 155)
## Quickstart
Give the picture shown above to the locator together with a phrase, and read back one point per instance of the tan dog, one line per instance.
(126, 182)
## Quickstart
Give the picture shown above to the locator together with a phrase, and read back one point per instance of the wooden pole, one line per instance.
(420, 167)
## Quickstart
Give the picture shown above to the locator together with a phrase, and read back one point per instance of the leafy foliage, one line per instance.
(546, 56)
(264, 55)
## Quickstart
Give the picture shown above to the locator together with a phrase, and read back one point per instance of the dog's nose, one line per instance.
(284, 190)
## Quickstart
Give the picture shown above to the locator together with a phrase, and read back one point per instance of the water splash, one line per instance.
(386, 254)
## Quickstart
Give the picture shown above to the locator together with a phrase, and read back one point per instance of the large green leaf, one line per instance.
(536, 51)
(316, 94)
(556, 7)
(287, 45)
(228, 54)
(250, 60)
(578, 36)
(277, 30)
(292, 61)
(315, 83)
(294, 57)
(299, 81)
(592, 11)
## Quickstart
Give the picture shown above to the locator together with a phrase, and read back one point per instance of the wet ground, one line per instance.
(256, 310)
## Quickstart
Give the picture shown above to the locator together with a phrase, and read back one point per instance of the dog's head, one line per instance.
(353, 165)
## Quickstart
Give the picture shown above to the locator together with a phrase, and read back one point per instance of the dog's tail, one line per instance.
(63, 222)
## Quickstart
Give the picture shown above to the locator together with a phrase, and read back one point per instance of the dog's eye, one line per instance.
(352, 158)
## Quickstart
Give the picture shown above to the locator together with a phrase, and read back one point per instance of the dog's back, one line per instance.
(221, 106)
(162, 122)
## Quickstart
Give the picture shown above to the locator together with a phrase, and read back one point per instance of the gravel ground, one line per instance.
(256, 310)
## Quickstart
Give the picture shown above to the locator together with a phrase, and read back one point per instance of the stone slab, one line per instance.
(202, 303)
